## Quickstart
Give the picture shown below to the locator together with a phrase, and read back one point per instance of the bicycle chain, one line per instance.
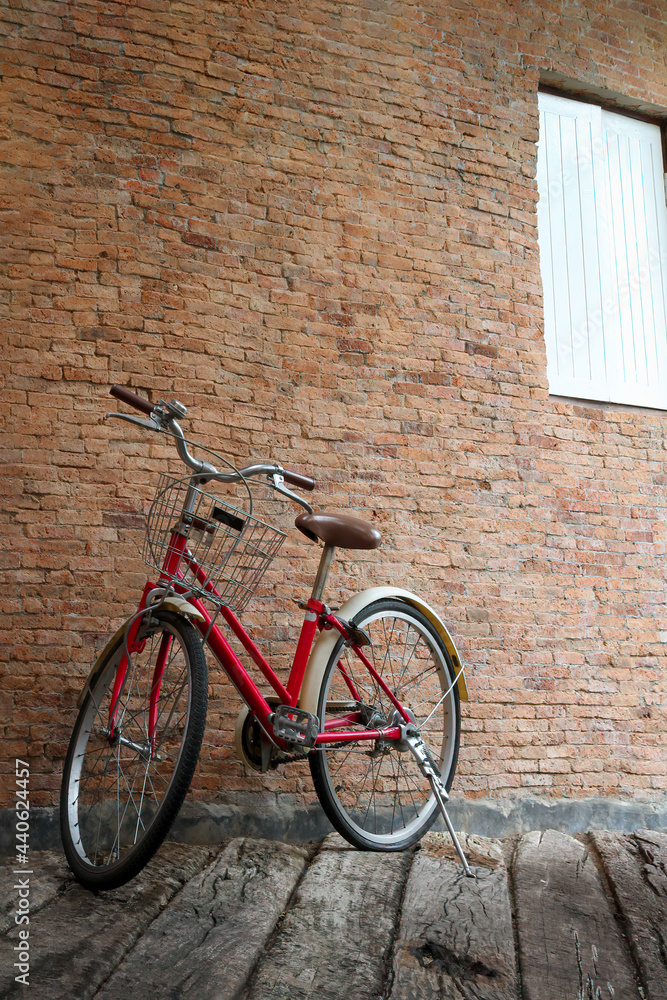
(288, 759)
(285, 759)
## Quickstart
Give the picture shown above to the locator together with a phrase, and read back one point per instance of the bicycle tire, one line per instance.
(119, 797)
(378, 799)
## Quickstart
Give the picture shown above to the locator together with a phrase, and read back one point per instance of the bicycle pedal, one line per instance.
(296, 727)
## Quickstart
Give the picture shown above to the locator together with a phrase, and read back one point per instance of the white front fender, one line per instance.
(324, 646)
(177, 605)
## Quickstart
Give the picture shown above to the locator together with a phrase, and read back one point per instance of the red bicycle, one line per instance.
(372, 697)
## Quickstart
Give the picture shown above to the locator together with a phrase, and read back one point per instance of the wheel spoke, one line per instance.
(116, 787)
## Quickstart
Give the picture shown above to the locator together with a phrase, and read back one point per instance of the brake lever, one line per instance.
(151, 425)
(279, 485)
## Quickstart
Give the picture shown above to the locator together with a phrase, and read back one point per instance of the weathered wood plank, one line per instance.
(569, 943)
(334, 942)
(50, 873)
(206, 943)
(455, 938)
(637, 870)
(79, 938)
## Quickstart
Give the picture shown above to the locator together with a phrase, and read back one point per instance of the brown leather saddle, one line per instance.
(341, 530)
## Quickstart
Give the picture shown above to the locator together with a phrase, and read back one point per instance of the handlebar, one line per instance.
(162, 415)
(296, 479)
(131, 398)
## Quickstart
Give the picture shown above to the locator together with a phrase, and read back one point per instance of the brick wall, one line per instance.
(315, 224)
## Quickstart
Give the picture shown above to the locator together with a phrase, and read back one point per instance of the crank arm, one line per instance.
(429, 768)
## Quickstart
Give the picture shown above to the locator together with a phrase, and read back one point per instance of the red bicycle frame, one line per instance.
(317, 617)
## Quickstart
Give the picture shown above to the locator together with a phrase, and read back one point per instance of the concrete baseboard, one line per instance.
(279, 818)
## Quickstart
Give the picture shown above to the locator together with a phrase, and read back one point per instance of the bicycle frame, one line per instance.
(317, 617)
(129, 765)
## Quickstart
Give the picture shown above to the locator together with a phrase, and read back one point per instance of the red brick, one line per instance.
(320, 233)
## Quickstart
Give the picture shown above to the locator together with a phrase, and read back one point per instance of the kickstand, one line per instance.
(429, 769)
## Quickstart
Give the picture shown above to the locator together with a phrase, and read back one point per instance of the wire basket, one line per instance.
(227, 551)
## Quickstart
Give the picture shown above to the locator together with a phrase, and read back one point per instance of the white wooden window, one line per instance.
(602, 224)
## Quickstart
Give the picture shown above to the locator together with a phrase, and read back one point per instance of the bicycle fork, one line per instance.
(429, 768)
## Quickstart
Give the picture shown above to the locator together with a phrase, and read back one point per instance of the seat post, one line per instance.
(326, 560)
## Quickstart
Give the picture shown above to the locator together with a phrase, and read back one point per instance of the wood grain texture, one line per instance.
(334, 942)
(207, 942)
(636, 866)
(79, 937)
(455, 939)
(569, 943)
(50, 873)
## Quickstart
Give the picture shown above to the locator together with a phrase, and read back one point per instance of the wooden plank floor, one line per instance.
(637, 870)
(455, 938)
(549, 917)
(569, 942)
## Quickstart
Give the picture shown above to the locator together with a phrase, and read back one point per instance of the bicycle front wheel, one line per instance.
(373, 792)
(123, 784)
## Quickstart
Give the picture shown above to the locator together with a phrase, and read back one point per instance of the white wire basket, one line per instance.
(229, 547)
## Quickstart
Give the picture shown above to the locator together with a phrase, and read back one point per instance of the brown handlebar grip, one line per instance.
(131, 398)
(304, 482)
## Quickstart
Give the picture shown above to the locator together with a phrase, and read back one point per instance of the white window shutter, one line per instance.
(638, 259)
(603, 237)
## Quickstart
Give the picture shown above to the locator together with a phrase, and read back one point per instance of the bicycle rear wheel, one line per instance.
(121, 791)
(374, 793)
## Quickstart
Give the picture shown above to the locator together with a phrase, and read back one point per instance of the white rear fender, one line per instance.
(324, 646)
